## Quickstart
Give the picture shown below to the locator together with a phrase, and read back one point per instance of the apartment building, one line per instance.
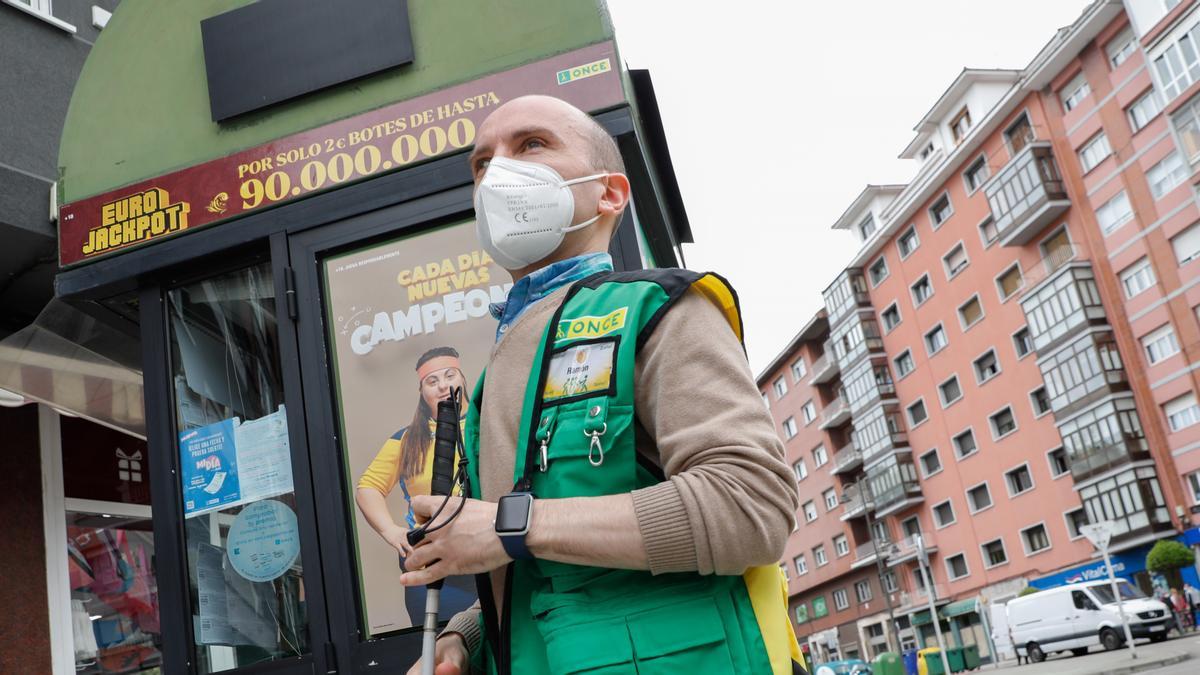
(1012, 352)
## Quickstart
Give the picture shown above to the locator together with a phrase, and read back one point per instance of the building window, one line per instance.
(1040, 400)
(1160, 344)
(799, 370)
(831, 499)
(976, 174)
(867, 227)
(1019, 134)
(956, 566)
(862, 590)
(1056, 249)
(1003, 423)
(970, 312)
(783, 568)
(1143, 110)
(908, 242)
(910, 527)
(931, 463)
(940, 211)
(766, 400)
(1035, 539)
(891, 317)
(935, 340)
(1074, 93)
(810, 511)
(789, 428)
(801, 470)
(926, 151)
(889, 582)
(1166, 175)
(943, 514)
(1187, 244)
(1178, 66)
(960, 125)
(878, 271)
(955, 261)
(1193, 481)
(841, 545)
(819, 556)
(1182, 412)
(1058, 462)
(1137, 277)
(903, 363)
(809, 410)
(1132, 499)
(780, 388)
(1120, 47)
(986, 366)
(1187, 123)
(987, 231)
(949, 391)
(1010, 281)
(840, 601)
(1114, 213)
(801, 565)
(1094, 151)
(994, 553)
(1019, 480)
(917, 414)
(921, 290)
(1075, 521)
(1022, 343)
(820, 456)
(979, 497)
(964, 444)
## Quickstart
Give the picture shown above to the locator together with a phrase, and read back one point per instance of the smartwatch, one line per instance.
(514, 513)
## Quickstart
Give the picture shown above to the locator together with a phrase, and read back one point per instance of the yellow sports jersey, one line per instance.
(383, 473)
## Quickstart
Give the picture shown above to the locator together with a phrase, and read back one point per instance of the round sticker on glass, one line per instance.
(264, 540)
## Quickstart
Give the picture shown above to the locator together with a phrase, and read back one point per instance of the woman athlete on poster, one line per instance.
(406, 460)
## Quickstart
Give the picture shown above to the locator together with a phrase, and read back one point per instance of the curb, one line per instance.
(1165, 660)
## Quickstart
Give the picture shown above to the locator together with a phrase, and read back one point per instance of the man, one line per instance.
(663, 501)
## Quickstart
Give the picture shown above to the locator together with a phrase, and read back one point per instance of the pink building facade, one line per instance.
(1014, 351)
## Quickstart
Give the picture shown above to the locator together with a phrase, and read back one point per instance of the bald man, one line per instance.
(651, 539)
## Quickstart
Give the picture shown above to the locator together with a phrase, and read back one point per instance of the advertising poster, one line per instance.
(408, 319)
(231, 462)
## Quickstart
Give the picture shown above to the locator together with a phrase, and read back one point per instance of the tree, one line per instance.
(1028, 590)
(1169, 555)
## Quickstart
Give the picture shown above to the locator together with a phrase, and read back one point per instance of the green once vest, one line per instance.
(577, 440)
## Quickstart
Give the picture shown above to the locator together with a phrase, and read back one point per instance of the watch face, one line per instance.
(512, 513)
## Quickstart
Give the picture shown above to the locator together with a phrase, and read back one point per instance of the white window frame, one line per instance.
(781, 388)
(800, 469)
(987, 243)
(925, 473)
(1104, 209)
(941, 397)
(912, 289)
(831, 499)
(44, 10)
(908, 413)
(896, 364)
(766, 399)
(841, 546)
(789, 428)
(801, 565)
(1013, 338)
(820, 455)
(1192, 234)
(950, 274)
(798, 374)
(982, 313)
(860, 595)
(1003, 273)
(1172, 176)
(1054, 475)
(975, 366)
(1163, 334)
(967, 495)
(1094, 151)
(966, 566)
(1139, 268)
(815, 513)
(1067, 522)
(955, 445)
(933, 222)
(912, 230)
(933, 513)
(1140, 109)
(841, 603)
(886, 271)
(1033, 402)
(1186, 410)
(983, 554)
(809, 411)
(980, 161)
(945, 337)
(819, 555)
(1120, 47)
(1008, 484)
(992, 426)
(1193, 483)
(883, 318)
(1025, 541)
(1074, 91)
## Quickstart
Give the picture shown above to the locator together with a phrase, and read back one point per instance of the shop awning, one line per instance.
(959, 608)
(920, 618)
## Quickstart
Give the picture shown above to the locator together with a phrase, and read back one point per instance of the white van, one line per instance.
(1077, 616)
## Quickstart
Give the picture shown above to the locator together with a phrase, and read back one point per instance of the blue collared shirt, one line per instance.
(540, 283)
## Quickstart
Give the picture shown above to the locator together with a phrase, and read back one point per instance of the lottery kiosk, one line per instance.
(271, 200)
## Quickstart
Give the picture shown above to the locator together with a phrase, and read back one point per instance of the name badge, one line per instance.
(580, 370)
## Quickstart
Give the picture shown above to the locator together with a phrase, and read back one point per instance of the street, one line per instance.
(1177, 656)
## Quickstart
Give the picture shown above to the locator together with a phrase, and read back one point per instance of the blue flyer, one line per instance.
(264, 540)
(208, 464)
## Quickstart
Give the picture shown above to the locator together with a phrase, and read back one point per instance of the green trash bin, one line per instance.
(888, 663)
(932, 658)
(955, 656)
(971, 657)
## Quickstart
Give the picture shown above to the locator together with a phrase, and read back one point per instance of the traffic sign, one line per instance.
(1098, 533)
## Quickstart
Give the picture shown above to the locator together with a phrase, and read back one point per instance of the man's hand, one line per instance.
(451, 657)
(468, 545)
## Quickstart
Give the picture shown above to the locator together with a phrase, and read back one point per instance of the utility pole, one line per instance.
(1100, 534)
(927, 577)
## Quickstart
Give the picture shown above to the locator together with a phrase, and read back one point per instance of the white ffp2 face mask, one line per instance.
(523, 210)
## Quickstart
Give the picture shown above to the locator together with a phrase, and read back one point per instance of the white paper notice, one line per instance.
(264, 458)
(213, 626)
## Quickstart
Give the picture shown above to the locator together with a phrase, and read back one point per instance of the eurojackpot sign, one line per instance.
(289, 168)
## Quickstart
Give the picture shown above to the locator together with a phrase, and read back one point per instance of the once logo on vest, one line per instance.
(591, 326)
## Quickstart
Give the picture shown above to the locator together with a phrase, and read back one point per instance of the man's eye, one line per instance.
(534, 143)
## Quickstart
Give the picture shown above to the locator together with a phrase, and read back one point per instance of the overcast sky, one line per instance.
(778, 112)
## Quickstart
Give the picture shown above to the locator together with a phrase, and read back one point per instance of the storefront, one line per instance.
(1129, 565)
(289, 245)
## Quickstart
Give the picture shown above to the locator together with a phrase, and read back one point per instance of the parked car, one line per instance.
(1075, 617)
(846, 667)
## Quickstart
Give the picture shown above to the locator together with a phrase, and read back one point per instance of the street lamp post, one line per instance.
(865, 491)
(927, 578)
(1100, 534)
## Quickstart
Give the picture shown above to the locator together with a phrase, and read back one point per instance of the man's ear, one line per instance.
(616, 194)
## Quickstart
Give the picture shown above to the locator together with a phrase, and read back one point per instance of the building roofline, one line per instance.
(849, 217)
(966, 77)
(818, 323)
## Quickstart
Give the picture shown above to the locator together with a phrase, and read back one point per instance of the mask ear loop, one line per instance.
(573, 181)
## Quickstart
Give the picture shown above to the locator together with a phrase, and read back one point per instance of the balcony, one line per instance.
(1062, 305)
(846, 459)
(865, 554)
(1104, 437)
(906, 549)
(856, 503)
(856, 336)
(846, 293)
(1084, 372)
(880, 432)
(867, 384)
(1026, 195)
(919, 597)
(825, 368)
(835, 414)
(893, 485)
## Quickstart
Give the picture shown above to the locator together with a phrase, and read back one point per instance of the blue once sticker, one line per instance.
(264, 540)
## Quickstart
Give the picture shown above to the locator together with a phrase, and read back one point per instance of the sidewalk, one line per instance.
(1150, 657)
